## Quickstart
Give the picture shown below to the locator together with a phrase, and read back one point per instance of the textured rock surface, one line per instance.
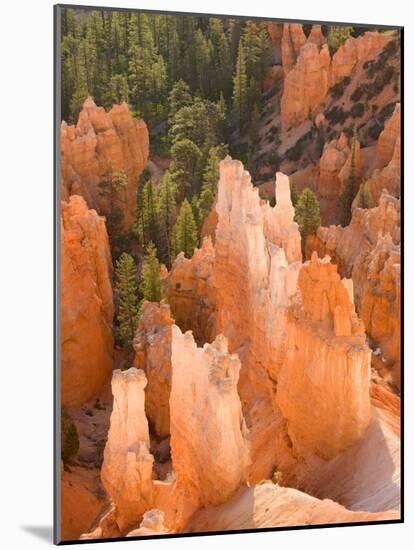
(368, 250)
(80, 505)
(86, 302)
(100, 142)
(327, 360)
(269, 505)
(152, 345)
(189, 289)
(355, 50)
(334, 156)
(293, 39)
(272, 322)
(209, 440)
(127, 468)
(152, 524)
(306, 84)
(388, 162)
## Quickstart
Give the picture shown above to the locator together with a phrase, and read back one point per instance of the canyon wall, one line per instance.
(86, 302)
(152, 345)
(288, 344)
(368, 250)
(101, 144)
(206, 418)
(189, 289)
(127, 467)
(310, 71)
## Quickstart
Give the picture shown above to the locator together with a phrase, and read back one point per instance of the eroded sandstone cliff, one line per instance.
(127, 468)
(368, 250)
(86, 302)
(189, 289)
(101, 144)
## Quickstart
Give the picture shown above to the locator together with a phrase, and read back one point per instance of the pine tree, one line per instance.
(294, 195)
(307, 213)
(240, 91)
(347, 197)
(185, 231)
(210, 180)
(118, 89)
(167, 215)
(220, 58)
(186, 156)
(128, 306)
(150, 286)
(111, 187)
(148, 214)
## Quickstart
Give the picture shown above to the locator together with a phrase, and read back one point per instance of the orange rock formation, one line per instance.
(310, 71)
(269, 505)
(102, 142)
(86, 302)
(127, 468)
(189, 289)
(355, 50)
(387, 174)
(152, 345)
(279, 333)
(368, 250)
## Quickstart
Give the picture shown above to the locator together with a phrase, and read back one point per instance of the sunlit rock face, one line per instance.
(387, 175)
(368, 250)
(355, 50)
(293, 38)
(190, 291)
(127, 468)
(268, 505)
(305, 85)
(86, 302)
(310, 71)
(152, 345)
(209, 439)
(328, 361)
(276, 312)
(100, 143)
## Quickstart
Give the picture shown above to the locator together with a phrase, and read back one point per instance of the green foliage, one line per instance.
(210, 180)
(128, 305)
(185, 234)
(240, 91)
(111, 188)
(201, 122)
(178, 97)
(69, 438)
(337, 36)
(186, 157)
(357, 110)
(147, 223)
(363, 195)
(347, 197)
(307, 212)
(118, 89)
(167, 215)
(150, 286)
(294, 195)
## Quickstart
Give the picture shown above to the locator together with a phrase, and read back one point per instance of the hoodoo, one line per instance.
(100, 145)
(86, 302)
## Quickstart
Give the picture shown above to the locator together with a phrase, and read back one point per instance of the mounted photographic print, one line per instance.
(228, 283)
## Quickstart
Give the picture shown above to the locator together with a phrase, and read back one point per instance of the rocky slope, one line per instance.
(368, 250)
(189, 289)
(318, 97)
(264, 391)
(286, 330)
(101, 144)
(86, 302)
